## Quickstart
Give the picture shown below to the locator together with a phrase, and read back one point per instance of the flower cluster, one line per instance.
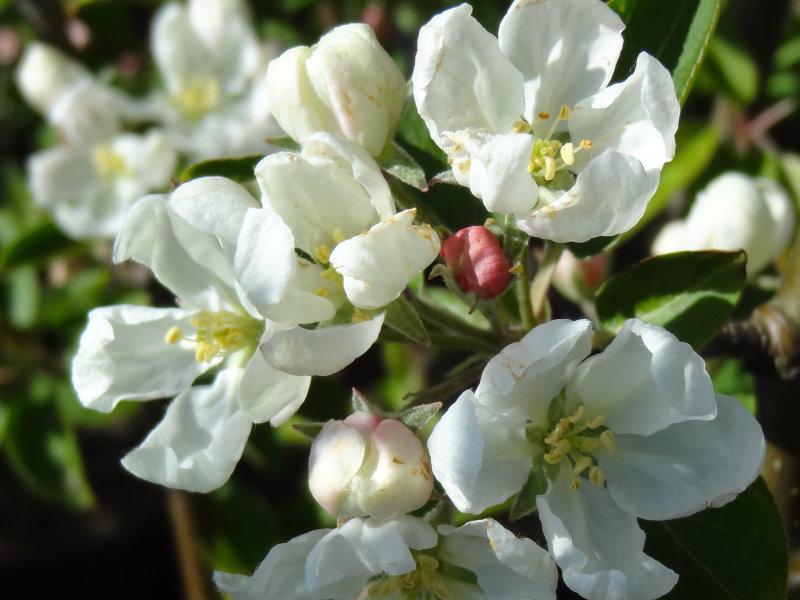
(293, 273)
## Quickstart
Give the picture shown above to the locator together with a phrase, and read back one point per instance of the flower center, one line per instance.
(422, 583)
(574, 439)
(550, 156)
(218, 334)
(198, 96)
(109, 163)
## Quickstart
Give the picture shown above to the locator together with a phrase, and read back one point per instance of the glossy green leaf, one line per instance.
(238, 169)
(676, 32)
(736, 552)
(35, 244)
(404, 319)
(690, 293)
(735, 69)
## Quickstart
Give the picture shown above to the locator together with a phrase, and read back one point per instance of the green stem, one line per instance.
(544, 277)
(524, 291)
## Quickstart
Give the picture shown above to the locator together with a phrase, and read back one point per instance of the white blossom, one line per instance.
(633, 432)
(345, 84)
(329, 249)
(530, 124)
(88, 188)
(214, 73)
(404, 557)
(45, 73)
(368, 466)
(188, 239)
(734, 212)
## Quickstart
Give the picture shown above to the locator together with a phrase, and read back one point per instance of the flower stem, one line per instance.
(524, 291)
(452, 326)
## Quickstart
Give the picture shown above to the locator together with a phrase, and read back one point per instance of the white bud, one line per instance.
(346, 84)
(44, 74)
(734, 212)
(366, 466)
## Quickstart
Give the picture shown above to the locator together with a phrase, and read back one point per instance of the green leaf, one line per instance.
(396, 161)
(238, 169)
(676, 32)
(35, 244)
(696, 147)
(24, 297)
(404, 319)
(735, 68)
(736, 552)
(732, 379)
(43, 451)
(790, 165)
(525, 500)
(690, 293)
(412, 130)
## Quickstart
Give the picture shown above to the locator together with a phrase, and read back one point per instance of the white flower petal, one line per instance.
(528, 374)
(123, 356)
(480, 457)
(280, 576)
(686, 467)
(377, 265)
(343, 561)
(609, 197)
(494, 167)
(336, 456)
(644, 381)
(638, 117)
(672, 238)
(188, 262)
(197, 444)
(461, 79)
(177, 49)
(314, 196)
(214, 205)
(266, 394)
(782, 210)
(357, 160)
(566, 50)
(322, 351)
(598, 546)
(45, 73)
(265, 259)
(507, 567)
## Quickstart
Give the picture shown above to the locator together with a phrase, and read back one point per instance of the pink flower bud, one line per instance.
(577, 279)
(368, 466)
(477, 260)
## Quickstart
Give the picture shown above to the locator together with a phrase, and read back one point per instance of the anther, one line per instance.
(549, 168)
(173, 336)
(323, 254)
(321, 292)
(543, 116)
(577, 415)
(586, 144)
(607, 439)
(427, 561)
(563, 114)
(516, 269)
(583, 463)
(596, 422)
(597, 476)
(338, 235)
(521, 126)
(575, 484)
(568, 153)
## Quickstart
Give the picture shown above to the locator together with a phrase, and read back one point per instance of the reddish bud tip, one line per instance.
(477, 261)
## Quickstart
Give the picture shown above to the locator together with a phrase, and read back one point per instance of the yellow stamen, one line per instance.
(544, 115)
(577, 415)
(516, 269)
(586, 144)
(338, 235)
(596, 422)
(575, 484)
(173, 336)
(521, 127)
(607, 439)
(563, 114)
(549, 168)
(597, 476)
(321, 292)
(427, 561)
(323, 254)
(583, 463)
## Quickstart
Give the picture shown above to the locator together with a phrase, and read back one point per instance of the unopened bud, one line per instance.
(346, 84)
(578, 279)
(368, 466)
(476, 258)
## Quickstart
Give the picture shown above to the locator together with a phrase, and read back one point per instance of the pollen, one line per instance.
(543, 116)
(109, 163)
(586, 144)
(563, 113)
(220, 333)
(198, 97)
